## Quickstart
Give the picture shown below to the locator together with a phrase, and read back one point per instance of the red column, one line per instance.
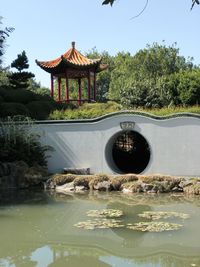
(52, 86)
(59, 89)
(79, 92)
(95, 86)
(89, 86)
(67, 87)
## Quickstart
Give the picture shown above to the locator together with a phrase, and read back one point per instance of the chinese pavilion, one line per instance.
(73, 65)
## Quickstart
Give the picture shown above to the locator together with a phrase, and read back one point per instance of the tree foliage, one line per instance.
(4, 34)
(103, 78)
(156, 76)
(21, 62)
(188, 87)
(21, 78)
(150, 78)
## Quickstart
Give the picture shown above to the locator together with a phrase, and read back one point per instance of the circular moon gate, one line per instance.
(130, 152)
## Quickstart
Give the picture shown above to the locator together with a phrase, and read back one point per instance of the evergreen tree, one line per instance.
(21, 62)
(21, 78)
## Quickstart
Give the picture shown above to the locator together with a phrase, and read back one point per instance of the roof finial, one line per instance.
(73, 44)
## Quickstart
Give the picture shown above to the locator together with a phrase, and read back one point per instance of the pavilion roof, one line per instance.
(72, 59)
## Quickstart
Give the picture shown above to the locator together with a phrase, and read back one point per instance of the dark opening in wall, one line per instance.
(130, 152)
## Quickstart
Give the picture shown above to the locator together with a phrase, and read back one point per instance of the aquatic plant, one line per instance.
(99, 224)
(154, 226)
(156, 215)
(111, 213)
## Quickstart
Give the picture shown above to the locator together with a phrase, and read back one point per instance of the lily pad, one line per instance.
(154, 226)
(156, 215)
(110, 213)
(100, 224)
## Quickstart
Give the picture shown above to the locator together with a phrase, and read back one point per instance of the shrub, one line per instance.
(93, 110)
(17, 95)
(40, 109)
(41, 91)
(17, 142)
(86, 111)
(64, 106)
(13, 109)
(1, 99)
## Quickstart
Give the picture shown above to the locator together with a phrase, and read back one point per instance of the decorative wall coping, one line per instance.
(124, 112)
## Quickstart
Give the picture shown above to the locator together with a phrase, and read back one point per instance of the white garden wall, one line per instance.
(174, 143)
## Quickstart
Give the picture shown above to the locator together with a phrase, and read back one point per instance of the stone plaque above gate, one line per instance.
(127, 125)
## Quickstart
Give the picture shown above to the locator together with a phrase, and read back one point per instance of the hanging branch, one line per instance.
(147, 1)
(106, 2)
(194, 2)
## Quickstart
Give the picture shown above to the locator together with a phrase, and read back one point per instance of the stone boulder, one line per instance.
(103, 186)
(66, 188)
(70, 187)
(193, 189)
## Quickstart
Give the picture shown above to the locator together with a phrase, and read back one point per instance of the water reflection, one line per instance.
(51, 256)
(37, 230)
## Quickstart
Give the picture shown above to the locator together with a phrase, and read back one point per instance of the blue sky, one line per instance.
(45, 28)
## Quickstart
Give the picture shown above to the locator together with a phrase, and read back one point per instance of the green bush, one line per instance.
(40, 110)
(95, 110)
(1, 99)
(17, 142)
(64, 106)
(17, 95)
(86, 111)
(3, 91)
(13, 109)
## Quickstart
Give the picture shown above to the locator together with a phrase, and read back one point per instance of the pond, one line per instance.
(43, 229)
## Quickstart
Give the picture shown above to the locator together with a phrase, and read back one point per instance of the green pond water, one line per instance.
(37, 229)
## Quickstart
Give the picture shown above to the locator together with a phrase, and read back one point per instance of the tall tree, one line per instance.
(120, 75)
(144, 79)
(103, 78)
